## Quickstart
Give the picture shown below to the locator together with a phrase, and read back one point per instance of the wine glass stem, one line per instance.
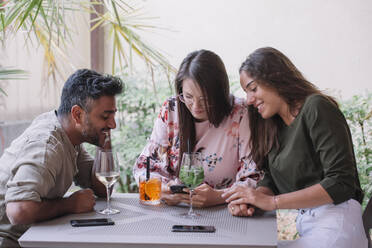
(191, 212)
(108, 197)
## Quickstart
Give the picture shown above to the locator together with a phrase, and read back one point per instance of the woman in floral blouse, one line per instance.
(212, 121)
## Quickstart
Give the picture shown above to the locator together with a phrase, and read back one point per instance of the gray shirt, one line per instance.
(40, 164)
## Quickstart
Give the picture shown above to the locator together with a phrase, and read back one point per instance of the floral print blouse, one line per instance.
(224, 149)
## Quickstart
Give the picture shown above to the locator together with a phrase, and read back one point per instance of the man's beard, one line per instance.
(89, 134)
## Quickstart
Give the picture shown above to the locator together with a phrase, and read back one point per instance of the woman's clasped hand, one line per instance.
(243, 200)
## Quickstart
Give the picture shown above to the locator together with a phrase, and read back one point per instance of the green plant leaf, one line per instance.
(3, 92)
(11, 74)
(26, 14)
(7, 74)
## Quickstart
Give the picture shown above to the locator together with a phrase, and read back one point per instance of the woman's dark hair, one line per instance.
(85, 85)
(207, 70)
(271, 68)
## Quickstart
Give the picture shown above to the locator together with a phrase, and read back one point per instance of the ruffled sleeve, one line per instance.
(161, 147)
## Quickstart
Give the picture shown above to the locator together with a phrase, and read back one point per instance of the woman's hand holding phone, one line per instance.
(171, 198)
(206, 196)
(178, 189)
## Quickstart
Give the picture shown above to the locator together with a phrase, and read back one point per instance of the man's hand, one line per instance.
(28, 212)
(82, 201)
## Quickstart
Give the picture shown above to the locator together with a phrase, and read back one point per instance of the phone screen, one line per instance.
(178, 189)
(187, 228)
(92, 222)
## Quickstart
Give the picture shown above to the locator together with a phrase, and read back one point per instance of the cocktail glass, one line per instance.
(192, 175)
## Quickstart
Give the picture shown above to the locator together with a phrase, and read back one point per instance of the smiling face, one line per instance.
(194, 99)
(99, 120)
(264, 98)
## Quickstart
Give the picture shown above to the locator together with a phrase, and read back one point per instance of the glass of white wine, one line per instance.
(107, 171)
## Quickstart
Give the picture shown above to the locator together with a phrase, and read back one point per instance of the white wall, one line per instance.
(330, 41)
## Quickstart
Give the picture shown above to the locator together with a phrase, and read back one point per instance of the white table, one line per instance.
(150, 226)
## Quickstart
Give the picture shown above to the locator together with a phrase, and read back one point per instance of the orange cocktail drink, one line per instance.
(150, 190)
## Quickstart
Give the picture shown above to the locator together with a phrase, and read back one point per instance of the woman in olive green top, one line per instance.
(301, 140)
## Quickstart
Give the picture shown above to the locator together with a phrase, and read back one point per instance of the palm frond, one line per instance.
(11, 74)
(8, 74)
(29, 8)
(123, 28)
(46, 21)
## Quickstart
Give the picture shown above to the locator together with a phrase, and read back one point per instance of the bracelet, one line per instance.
(276, 202)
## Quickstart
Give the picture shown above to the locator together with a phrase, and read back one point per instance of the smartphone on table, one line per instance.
(188, 228)
(92, 222)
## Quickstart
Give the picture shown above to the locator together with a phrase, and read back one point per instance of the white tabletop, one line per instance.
(150, 226)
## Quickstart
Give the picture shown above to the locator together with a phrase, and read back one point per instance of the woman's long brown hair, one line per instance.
(273, 69)
(207, 70)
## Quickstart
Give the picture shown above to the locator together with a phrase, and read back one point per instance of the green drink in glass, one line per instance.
(192, 175)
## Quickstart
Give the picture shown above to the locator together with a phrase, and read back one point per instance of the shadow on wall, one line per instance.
(9, 131)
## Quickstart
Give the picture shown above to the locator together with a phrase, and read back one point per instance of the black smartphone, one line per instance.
(186, 228)
(92, 222)
(178, 189)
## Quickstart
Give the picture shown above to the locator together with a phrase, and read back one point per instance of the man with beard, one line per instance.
(38, 168)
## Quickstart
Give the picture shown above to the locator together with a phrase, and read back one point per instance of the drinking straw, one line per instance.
(188, 151)
(147, 168)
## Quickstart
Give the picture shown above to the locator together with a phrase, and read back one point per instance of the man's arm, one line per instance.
(28, 212)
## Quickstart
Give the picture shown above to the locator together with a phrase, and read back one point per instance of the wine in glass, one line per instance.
(192, 175)
(107, 172)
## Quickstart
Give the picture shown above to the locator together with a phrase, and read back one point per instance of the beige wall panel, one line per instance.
(28, 98)
(330, 41)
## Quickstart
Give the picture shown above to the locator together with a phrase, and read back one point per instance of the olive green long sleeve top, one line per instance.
(315, 148)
